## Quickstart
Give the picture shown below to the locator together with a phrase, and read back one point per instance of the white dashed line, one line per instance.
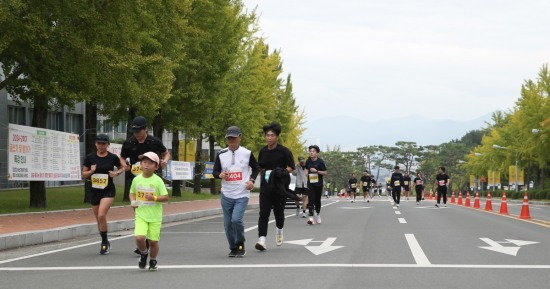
(402, 220)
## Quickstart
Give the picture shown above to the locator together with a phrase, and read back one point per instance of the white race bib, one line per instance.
(141, 193)
(100, 181)
(406, 183)
(313, 178)
(441, 182)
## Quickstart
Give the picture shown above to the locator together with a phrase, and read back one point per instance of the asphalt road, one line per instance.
(358, 245)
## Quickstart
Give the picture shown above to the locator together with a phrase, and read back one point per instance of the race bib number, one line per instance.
(141, 193)
(365, 184)
(313, 178)
(406, 183)
(353, 185)
(234, 177)
(100, 181)
(136, 169)
(267, 174)
(441, 182)
(396, 183)
(419, 182)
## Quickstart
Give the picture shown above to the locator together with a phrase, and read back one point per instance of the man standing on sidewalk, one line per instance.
(276, 162)
(238, 169)
(140, 143)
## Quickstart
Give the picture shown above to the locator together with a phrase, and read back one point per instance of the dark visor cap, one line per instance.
(233, 131)
(138, 124)
(102, 138)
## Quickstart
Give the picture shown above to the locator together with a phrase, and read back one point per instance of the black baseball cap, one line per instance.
(102, 138)
(233, 131)
(138, 124)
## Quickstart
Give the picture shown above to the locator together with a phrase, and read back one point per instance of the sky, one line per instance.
(438, 59)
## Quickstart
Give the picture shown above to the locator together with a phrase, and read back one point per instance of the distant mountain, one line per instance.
(350, 132)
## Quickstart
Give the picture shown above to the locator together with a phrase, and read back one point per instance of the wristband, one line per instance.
(155, 198)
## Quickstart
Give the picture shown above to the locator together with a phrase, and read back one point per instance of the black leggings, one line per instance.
(314, 199)
(418, 193)
(268, 202)
(442, 193)
(396, 195)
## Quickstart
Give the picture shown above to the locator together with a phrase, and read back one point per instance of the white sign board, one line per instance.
(37, 154)
(179, 170)
(115, 148)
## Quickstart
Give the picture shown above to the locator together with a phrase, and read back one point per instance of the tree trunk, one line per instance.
(39, 118)
(198, 166)
(158, 126)
(127, 185)
(89, 139)
(176, 184)
(212, 159)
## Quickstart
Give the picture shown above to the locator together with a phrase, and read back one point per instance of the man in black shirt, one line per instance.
(353, 187)
(365, 185)
(406, 185)
(441, 183)
(396, 182)
(272, 156)
(315, 170)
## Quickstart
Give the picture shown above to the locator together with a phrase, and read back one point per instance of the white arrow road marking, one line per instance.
(494, 246)
(303, 242)
(520, 242)
(325, 247)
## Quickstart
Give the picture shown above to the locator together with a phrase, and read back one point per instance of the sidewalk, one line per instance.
(25, 229)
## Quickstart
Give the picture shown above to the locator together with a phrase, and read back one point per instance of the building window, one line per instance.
(74, 123)
(53, 121)
(16, 115)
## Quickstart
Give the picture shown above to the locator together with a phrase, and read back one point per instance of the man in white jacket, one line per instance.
(238, 169)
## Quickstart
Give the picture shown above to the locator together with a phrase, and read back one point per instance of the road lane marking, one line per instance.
(397, 213)
(263, 266)
(402, 220)
(416, 250)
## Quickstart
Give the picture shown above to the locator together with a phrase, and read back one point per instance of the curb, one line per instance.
(29, 238)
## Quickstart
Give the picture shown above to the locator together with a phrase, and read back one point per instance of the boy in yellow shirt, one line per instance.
(146, 193)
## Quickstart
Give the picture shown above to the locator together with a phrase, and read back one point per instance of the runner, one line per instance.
(276, 162)
(406, 185)
(147, 193)
(396, 183)
(373, 186)
(238, 169)
(419, 187)
(301, 185)
(99, 169)
(352, 187)
(388, 187)
(442, 183)
(316, 169)
(327, 189)
(365, 185)
(140, 143)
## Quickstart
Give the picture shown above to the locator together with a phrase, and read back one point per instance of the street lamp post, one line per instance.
(516, 169)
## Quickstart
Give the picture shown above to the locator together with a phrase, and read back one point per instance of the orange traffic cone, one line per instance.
(488, 203)
(503, 205)
(525, 208)
(476, 202)
(430, 196)
(452, 197)
(459, 198)
(467, 203)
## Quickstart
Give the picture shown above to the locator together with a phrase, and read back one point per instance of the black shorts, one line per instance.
(96, 196)
(353, 190)
(406, 188)
(365, 189)
(300, 191)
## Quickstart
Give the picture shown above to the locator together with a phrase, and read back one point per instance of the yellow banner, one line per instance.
(493, 177)
(512, 176)
(472, 181)
(187, 155)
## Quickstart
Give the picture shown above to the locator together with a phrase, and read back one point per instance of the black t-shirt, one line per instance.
(132, 148)
(366, 181)
(396, 180)
(103, 166)
(442, 181)
(279, 157)
(319, 165)
(418, 182)
(407, 181)
(352, 183)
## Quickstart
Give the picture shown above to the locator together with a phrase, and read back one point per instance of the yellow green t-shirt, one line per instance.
(149, 211)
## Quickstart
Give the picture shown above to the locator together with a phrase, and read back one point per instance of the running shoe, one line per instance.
(310, 220)
(260, 245)
(445, 205)
(318, 219)
(137, 251)
(298, 212)
(142, 260)
(437, 205)
(303, 214)
(417, 203)
(240, 251)
(368, 201)
(105, 248)
(153, 265)
(397, 205)
(233, 253)
(279, 237)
